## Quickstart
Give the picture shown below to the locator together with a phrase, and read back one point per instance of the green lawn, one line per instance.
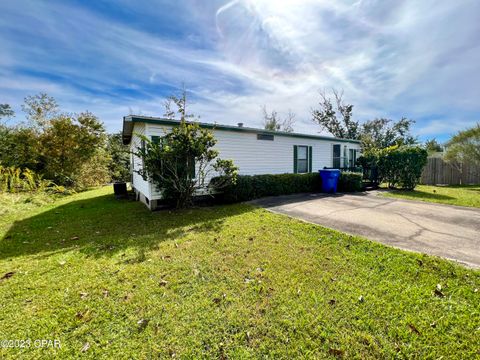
(112, 279)
(466, 195)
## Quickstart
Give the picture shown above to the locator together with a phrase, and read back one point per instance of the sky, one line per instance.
(391, 58)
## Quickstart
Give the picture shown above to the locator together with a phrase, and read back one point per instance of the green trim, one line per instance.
(310, 159)
(295, 158)
(161, 121)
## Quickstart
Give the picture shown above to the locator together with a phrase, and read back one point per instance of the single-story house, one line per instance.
(254, 151)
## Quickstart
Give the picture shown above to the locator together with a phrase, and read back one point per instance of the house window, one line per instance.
(265, 137)
(302, 159)
(336, 156)
(352, 157)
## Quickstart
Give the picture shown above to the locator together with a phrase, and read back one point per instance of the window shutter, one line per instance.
(310, 159)
(295, 159)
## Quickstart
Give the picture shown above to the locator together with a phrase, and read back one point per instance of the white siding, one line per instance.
(137, 181)
(254, 157)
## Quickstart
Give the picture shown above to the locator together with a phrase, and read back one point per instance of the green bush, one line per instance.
(250, 187)
(402, 166)
(397, 166)
(350, 181)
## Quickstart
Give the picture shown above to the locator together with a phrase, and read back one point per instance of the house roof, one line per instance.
(129, 120)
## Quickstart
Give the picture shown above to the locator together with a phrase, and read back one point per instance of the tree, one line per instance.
(19, 147)
(181, 162)
(119, 158)
(337, 121)
(272, 121)
(382, 133)
(433, 146)
(6, 111)
(464, 147)
(68, 142)
(40, 109)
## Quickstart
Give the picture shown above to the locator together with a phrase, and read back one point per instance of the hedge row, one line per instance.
(252, 187)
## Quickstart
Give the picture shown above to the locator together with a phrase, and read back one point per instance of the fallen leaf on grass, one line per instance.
(218, 300)
(83, 295)
(74, 238)
(438, 291)
(336, 352)
(163, 282)
(332, 302)
(8, 275)
(361, 299)
(85, 347)
(414, 329)
(142, 324)
(105, 293)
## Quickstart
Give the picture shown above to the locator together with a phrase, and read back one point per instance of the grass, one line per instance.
(461, 195)
(109, 278)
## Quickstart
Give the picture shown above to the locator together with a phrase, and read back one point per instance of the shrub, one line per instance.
(118, 158)
(93, 172)
(252, 187)
(350, 182)
(397, 166)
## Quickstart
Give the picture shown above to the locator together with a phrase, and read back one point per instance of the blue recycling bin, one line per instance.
(329, 180)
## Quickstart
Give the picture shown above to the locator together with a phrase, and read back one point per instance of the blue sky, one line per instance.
(418, 59)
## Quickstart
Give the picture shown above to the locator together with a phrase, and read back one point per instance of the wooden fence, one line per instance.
(439, 172)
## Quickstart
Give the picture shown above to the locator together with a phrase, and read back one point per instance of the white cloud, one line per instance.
(392, 58)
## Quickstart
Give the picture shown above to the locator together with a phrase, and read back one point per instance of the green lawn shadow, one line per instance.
(104, 226)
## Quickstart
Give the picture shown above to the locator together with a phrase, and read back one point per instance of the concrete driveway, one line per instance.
(448, 231)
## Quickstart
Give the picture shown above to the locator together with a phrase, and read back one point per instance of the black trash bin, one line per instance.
(120, 190)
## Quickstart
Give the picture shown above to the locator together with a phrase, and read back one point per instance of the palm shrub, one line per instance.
(13, 179)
